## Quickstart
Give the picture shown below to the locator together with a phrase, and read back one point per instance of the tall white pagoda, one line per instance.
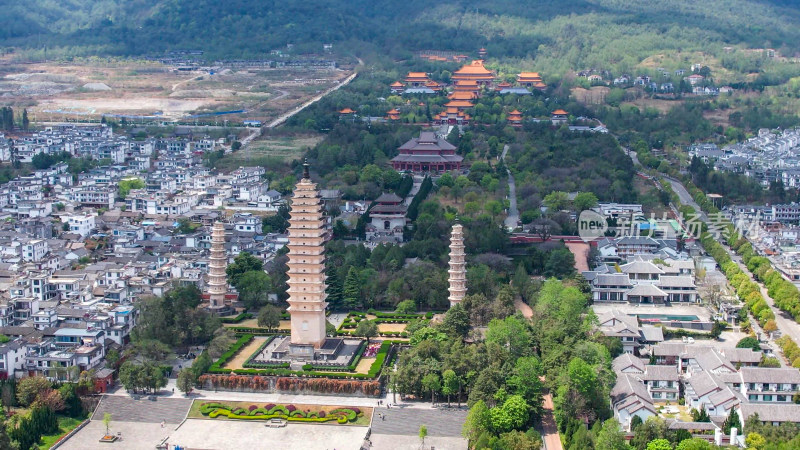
(306, 269)
(217, 278)
(457, 271)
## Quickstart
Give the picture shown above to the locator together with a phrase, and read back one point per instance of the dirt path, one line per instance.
(245, 352)
(581, 252)
(523, 308)
(552, 441)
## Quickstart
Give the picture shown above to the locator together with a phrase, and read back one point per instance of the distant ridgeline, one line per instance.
(579, 33)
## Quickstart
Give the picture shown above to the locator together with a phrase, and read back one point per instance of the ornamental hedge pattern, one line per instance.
(272, 411)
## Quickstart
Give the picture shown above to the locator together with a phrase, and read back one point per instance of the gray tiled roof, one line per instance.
(770, 375)
(788, 412)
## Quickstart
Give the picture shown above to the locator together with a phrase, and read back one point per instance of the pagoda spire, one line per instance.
(306, 264)
(217, 279)
(457, 272)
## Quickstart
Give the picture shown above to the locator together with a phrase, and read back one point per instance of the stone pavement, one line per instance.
(126, 409)
(407, 420)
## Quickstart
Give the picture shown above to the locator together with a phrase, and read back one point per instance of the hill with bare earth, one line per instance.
(562, 35)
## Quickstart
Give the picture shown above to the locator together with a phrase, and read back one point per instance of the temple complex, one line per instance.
(219, 297)
(306, 264)
(458, 272)
(474, 72)
(427, 153)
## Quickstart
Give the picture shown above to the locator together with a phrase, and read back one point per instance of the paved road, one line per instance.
(550, 436)
(513, 213)
(786, 324)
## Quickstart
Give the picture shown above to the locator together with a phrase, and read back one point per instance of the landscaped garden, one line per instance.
(389, 324)
(324, 414)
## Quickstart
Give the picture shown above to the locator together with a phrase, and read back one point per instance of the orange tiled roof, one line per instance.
(462, 95)
(529, 75)
(397, 84)
(417, 75)
(460, 104)
(515, 113)
(539, 84)
(560, 112)
(474, 70)
(346, 111)
(393, 111)
(466, 83)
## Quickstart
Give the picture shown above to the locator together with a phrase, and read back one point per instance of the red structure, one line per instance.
(427, 153)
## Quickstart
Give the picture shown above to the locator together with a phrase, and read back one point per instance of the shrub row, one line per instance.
(237, 319)
(790, 350)
(241, 342)
(258, 331)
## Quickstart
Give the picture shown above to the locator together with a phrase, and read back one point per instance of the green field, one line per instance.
(268, 152)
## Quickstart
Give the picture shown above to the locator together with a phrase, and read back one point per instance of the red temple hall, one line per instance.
(427, 153)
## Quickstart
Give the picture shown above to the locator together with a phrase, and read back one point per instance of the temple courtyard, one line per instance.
(138, 423)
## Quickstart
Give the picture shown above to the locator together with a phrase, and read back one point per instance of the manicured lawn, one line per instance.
(65, 425)
(363, 420)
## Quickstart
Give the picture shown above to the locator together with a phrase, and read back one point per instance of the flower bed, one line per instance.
(292, 413)
(372, 350)
(258, 331)
(293, 384)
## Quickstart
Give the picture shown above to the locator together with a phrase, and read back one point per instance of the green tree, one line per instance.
(352, 289)
(29, 388)
(242, 264)
(423, 433)
(477, 422)
(367, 329)
(694, 444)
(659, 444)
(732, 421)
(25, 125)
(432, 383)
(585, 200)
(450, 384)
(269, 317)
(513, 415)
(126, 185)
(5, 440)
(254, 288)
(611, 437)
(556, 201)
(749, 342)
(406, 307)
(107, 422)
(236, 145)
(456, 321)
(755, 441)
(335, 293)
(186, 380)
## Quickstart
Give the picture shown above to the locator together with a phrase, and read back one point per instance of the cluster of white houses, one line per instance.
(716, 381)
(645, 281)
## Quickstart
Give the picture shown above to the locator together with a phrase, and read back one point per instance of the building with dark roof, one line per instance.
(427, 153)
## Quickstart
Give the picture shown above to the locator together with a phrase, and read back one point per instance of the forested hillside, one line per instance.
(561, 35)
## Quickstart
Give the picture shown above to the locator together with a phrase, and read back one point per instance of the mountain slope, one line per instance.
(577, 33)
